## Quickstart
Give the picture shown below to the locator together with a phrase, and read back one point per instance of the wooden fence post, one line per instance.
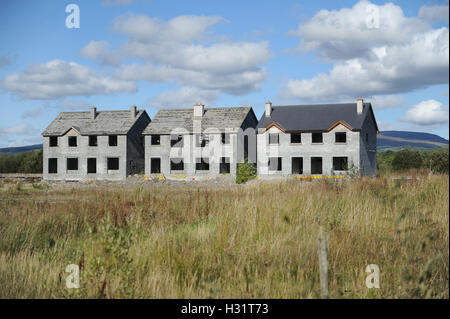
(323, 261)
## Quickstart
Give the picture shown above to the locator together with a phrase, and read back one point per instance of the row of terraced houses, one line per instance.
(304, 140)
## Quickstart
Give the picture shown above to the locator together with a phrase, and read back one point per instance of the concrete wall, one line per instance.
(306, 149)
(190, 152)
(83, 151)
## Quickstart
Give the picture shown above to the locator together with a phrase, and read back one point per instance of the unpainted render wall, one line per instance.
(306, 149)
(83, 151)
(190, 152)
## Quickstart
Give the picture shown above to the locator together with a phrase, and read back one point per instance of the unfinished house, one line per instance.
(94, 145)
(328, 139)
(199, 141)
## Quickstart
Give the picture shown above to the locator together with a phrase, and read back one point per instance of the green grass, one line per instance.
(257, 240)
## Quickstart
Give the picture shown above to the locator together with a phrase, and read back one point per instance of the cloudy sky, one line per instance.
(170, 54)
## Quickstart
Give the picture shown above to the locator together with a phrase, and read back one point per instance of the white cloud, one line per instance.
(19, 129)
(184, 50)
(385, 62)
(108, 3)
(32, 113)
(58, 78)
(74, 105)
(352, 33)
(184, 98)
(430, 112)
(386, 101)
(94, 49)
(434, 13)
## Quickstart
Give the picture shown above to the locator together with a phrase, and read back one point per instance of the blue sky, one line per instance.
(167, 54)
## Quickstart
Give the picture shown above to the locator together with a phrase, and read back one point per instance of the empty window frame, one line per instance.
(92, 165)
(340, 137)
(53, 141)
(155, 165)
(316, 165)
(225, 138)
(72, 141)
(112, 140)
(202, 164)
(340, 163)
(201, 140)
(52, 165)
(274, 164)
(296, 138)
(274, 138)
(112, 163)
(297, 165)
(155, 139)
(93, 140)
(176, 140)
(176, 164)
(72, 164)
(317, 138)
(224, 166)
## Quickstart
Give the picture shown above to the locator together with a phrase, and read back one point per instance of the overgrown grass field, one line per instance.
(257, 240)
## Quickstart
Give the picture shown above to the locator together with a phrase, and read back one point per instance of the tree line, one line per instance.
(436, 160)
(27, 162)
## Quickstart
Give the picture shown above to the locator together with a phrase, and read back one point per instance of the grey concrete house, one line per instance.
(328, 139)
(94, 145)
(200, 142)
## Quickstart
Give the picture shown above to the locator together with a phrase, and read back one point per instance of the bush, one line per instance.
(245, 171)
(437, 161)
(407, 159)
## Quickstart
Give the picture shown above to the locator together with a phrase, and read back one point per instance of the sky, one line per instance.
(171, 54)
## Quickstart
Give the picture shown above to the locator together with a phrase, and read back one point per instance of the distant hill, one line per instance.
(20, 149)
(394, 140)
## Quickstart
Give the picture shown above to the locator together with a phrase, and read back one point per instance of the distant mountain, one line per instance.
(401, 139)
(20, 149)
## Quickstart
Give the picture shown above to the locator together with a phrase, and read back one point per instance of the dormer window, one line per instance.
(274, 138)
(340, 137)
(72, 141)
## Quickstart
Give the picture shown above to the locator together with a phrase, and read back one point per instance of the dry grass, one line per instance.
(251, 241)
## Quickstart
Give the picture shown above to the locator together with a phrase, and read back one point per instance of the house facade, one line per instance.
(200, 141)
(94, 145)
(329, 139)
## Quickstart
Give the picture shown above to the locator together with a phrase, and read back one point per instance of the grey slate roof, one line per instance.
(165, 121)
(318, 117)
(105, 123)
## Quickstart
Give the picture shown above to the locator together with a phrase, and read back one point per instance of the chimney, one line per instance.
(268, 108)
(199, 109)
(359, 105)
(93, 112)
(133, 111)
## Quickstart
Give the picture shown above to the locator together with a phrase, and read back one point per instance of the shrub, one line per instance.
(245, 171)
(407, 159)
(437, 161)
